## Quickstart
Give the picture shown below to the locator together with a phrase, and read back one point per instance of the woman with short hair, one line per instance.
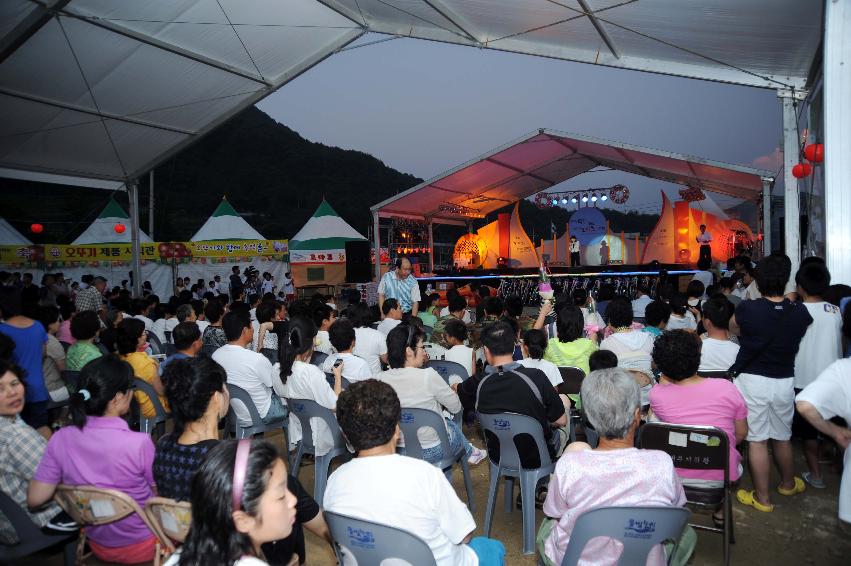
(613, 474)
(214, 335)
(570, 347)
(84, 328)
(132, 342)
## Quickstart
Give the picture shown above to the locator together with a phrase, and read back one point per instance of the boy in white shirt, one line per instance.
(455, 335)
(323, 318)
(342, 335)
(820, 347)
(718, 353)
(384, 487)
(370, 344)
(392, 316)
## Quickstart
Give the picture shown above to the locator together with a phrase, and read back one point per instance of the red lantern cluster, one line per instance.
(802, 170)
(814, 152)
(173, 250)
(36, 228)
(119, 228)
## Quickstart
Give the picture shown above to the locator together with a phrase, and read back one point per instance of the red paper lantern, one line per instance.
(814, 152)
(802, 170)
(36, 228)
(119, 228)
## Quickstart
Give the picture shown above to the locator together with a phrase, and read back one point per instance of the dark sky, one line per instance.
(425, 107)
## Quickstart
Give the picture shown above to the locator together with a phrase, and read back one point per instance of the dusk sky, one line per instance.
(425, 107)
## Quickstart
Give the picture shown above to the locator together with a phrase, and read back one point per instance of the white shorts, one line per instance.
(771, 406)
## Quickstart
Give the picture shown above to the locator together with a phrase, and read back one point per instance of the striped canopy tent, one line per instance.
(318, 250)
(102, 230)
(226, 224)
(10, 236)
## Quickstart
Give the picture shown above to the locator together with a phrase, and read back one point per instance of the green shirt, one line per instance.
(79, 354)
(575, 354)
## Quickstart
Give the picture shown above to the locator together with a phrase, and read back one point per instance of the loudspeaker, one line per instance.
(358, 262)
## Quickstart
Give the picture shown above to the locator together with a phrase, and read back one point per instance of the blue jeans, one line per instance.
(457, 440)
(277, 411)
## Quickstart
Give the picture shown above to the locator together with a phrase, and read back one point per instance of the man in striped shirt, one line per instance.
(402, 286)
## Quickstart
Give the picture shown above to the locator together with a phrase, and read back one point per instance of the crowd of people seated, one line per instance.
(756, 352)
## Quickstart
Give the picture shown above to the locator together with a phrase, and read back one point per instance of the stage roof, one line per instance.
(545, 158)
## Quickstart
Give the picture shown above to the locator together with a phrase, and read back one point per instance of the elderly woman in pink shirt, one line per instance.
(101, 450)
(613, 474)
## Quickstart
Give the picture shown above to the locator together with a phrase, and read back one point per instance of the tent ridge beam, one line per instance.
(171, 48)
(598, 27)
(452, 17)
(28, 27)
(90, 112)
(527, 173)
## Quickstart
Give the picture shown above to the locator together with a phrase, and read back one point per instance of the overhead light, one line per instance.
(563, 200)
(573, 200)
(584, 198)
(604, 198)
(594, 198)
(555, 201)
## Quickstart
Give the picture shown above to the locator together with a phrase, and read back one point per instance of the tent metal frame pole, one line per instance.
(791, 154)
(133, 194)
(766, 216)
(151, 206)
(430, 245)
(837, 138)
(376, 238)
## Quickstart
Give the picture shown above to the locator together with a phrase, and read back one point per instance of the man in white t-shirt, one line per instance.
(820, 347)
(717, 353)
(827, 397)
(323, 318)
(268, 284)
(249, 370)
(342, 335)
(639, 304)
(370, 344)
(392, 316)
(384, 487)
(705, 241)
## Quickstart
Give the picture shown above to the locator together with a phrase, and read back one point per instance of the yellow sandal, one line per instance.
(800, 487)
(748, 498)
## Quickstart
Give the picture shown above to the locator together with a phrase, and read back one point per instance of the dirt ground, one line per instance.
(803, 529)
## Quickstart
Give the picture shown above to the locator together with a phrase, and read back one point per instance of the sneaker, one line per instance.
(817, 483)
(476, 456)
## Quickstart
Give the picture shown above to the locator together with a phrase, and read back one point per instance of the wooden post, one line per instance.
(637, 256)
(555, 248)
(623, 247)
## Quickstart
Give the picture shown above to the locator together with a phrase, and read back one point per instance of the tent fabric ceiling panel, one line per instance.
(13, 12)
(546, 158)
(494, 19)
(137, 145)
(405, 18)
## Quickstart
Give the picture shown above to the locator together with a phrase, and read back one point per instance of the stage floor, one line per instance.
(614, 270)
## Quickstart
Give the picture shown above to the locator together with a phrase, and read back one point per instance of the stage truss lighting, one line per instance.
(584, 198)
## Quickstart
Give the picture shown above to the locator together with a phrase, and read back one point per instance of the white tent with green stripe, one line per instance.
(226, 224)
(323, 239)
(102, 230)
(10, 236)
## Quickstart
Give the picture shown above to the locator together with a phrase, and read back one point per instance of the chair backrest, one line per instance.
(65, 345)
(103, 349)
(372, 543)
(344, 383)
(446, 368)
(638, 528)
(571, 380)
(318, 358)
(690, 447)
(170, 349)
(412, 420)
(505, 427)
(428, 330)
(167, 334)
(72, 378)
(156, 345)
(304, 410)
(173, 518)
(240, 395)
(148, 389)
(90, 506)
(716, 374)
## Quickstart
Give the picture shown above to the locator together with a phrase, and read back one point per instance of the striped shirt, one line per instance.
(406, 291)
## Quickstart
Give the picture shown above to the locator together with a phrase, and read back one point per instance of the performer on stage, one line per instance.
(704, 239)
(399, 284)
(574, 252)
(604, 253)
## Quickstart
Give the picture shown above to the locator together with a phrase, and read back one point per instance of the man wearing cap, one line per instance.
(91, 298)
(399, 284)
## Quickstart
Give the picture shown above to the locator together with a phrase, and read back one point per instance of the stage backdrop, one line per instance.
(484, 246)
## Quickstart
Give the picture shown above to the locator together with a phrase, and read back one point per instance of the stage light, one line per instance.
(573, 200)
(593, 198)
(555, 201)
(584, 198)
(604, 198)
(563, 200)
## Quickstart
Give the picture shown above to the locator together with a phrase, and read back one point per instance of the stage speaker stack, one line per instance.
(358, 263)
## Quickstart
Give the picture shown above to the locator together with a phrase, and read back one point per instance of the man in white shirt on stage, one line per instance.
(402, 286)
(705, 241)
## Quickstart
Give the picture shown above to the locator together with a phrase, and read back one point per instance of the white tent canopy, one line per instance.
(324, 233)
(8, 234)
(102, 230)
(226, 224)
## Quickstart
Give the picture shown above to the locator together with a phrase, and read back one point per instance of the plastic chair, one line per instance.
(170, 349)
(571, 385)
(505, 427)
(157, 422)
(173, 519)
(639, 529)
(446, 368)
(317, 358)
(716, 374)
(31, 539)
(372, 543)
(697, 454)
(344, 383)
(305, 410)
(65, 345)
(429, 330)
(103, 349)
(257, 426)
(412, 421)
(156, 346)
(167, 334)
(90, 506)
(209, 349)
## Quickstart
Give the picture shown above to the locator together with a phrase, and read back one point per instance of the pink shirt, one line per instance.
(712, 402)
(589, 479)
(107, 454)
(64, 333)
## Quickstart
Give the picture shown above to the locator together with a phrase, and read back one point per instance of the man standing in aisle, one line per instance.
(402, 286)
(705, 241)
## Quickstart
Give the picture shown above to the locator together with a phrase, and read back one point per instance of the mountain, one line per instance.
(270, 174)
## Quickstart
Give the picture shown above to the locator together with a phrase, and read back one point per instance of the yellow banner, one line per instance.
(166, 252)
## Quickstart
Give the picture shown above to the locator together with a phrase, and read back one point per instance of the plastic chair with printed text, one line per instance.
(639, 529)
(446, 368)
(698, 448)
(31, 538)
(373, 543)
(412, 420)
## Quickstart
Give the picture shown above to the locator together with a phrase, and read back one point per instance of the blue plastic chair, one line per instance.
(257, 426)
(31, 539)
(304, 410)
(317, 358)
(344, 383)
(372, 543)
(156, 345)
(411, 422)
(638, 528)
(698, 456)
(157, 422)
(446, 368)
(505, 427)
